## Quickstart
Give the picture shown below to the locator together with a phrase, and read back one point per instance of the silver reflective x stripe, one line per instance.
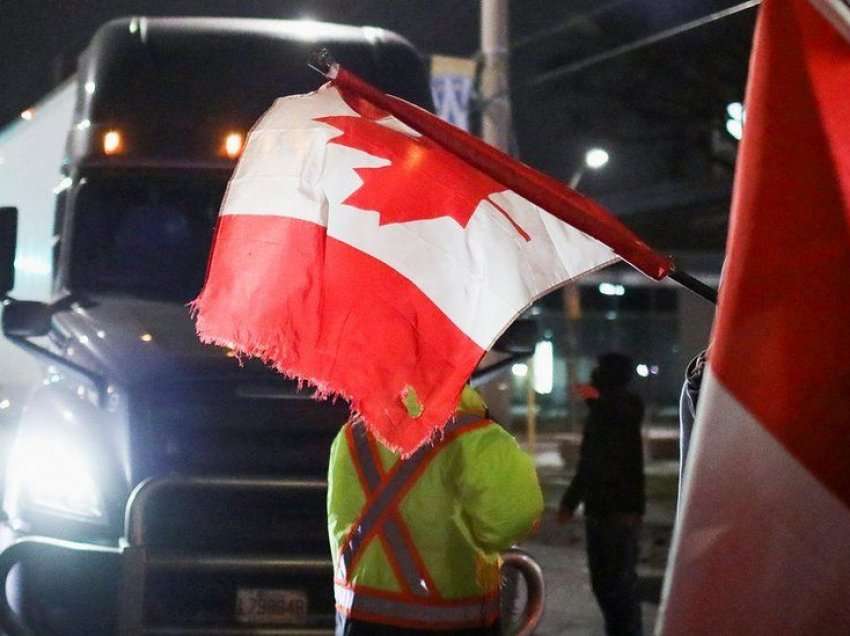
(373, 517)
(474, 612)
(413, 576)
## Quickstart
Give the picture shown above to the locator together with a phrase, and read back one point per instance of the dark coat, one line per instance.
(688, 407)
(610, 477)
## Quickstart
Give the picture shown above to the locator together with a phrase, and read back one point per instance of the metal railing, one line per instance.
(535, 587)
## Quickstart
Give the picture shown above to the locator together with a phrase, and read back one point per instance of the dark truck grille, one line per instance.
(243, 429)
(257, 428)
(194, 580)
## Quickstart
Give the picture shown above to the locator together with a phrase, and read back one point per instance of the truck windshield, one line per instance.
(144, 236)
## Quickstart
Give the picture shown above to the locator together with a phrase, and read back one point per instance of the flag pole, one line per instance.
(540, 189)
(324, 63)
(544, 191)
(695, 285)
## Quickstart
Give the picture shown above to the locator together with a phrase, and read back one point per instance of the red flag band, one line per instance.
(762, 544)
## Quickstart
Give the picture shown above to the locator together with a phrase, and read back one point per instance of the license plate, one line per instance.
(258, 605)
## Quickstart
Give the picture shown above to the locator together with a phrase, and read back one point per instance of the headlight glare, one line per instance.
(56, 475)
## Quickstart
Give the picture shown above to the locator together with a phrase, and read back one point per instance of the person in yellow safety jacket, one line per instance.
(416, 542)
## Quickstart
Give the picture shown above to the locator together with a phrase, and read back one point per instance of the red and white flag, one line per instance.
(359, 256)
(763, 546)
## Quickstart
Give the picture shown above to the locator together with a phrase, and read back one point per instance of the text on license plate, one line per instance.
(259, 605)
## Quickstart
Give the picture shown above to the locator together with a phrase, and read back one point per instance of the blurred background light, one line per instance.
(735, 117)
(611, 289)
(520, 370)
(543, 367)
(233, 145)
(112, 142)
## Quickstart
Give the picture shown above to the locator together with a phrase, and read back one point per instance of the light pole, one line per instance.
(594, 159)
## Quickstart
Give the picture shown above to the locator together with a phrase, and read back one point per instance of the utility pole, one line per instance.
(493, 90)
(494, 94)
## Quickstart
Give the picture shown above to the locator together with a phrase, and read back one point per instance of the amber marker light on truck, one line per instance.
(113, 144)
(233, 145)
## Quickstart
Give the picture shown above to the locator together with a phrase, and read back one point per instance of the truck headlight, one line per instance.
(55, 474)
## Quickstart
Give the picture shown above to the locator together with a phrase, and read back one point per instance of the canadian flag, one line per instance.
(763, 546)
(360, 256)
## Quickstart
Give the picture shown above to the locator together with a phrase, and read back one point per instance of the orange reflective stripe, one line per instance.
(418, 578)
(395, 485)
(401, 553)
(367, 482)
(375, 454)
(393, 595)
(370, 478)
(381, 509)
(389, 608)
(361, 453)
(418, 562)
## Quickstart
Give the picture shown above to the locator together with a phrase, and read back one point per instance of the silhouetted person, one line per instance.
(610, 482)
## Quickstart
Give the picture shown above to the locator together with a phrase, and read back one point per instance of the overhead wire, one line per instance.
(479, 105)
(624, 49)
(567, 24)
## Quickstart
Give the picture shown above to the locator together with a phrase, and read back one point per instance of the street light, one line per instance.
(594, 158)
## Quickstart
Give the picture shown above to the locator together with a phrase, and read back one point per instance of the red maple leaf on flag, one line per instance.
(422, 181)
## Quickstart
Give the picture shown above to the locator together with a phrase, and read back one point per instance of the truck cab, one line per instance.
(115, 183)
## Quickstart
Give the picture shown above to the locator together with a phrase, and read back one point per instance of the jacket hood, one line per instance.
(613, 371)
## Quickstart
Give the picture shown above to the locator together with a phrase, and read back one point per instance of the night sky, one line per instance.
(40, 40)
(657, 109)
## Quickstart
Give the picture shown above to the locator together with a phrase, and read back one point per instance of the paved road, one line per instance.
(571, 609)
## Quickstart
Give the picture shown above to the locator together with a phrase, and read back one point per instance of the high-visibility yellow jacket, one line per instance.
(416, 542)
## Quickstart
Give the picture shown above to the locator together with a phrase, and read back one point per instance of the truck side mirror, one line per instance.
(519, 339)
(8, 241)
(26, 319)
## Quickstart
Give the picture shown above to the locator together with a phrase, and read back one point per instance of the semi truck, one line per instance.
(154, 485)
(115, 179)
